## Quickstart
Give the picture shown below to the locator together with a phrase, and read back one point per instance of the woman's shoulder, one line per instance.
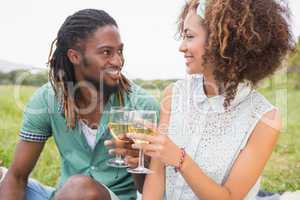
(175, 89)
(168, 90)
(259, 101)
(258, 108)
(186, 84)
(178, 84)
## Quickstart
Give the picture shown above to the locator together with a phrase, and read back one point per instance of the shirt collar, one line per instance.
(215, 103)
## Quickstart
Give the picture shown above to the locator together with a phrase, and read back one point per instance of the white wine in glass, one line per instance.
(116, 129)
(143, 122)
(119, 118)
(141, 130)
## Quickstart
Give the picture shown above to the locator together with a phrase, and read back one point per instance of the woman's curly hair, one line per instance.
(247, 40)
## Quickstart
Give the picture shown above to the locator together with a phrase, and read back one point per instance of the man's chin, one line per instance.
(112, 83)
(107, 87)
(103, 87)
(112, 88)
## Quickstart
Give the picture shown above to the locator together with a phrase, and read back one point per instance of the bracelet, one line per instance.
(182, 158)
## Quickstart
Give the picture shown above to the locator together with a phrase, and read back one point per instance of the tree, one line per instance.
(294, 67)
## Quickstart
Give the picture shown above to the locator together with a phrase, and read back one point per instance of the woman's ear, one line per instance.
(74, 56)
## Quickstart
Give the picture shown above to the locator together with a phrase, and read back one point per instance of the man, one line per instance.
(86, 81)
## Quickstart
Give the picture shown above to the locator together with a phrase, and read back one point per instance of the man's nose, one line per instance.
(117, 60)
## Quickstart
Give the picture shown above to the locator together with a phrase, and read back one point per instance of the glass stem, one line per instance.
(118, 157)
(141, 159)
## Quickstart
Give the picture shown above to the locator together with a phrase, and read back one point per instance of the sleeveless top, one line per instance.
(212, 136)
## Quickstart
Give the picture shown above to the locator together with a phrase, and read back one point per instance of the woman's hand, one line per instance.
(160, 147)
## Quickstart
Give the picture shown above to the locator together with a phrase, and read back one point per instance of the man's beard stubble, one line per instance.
(100, 85)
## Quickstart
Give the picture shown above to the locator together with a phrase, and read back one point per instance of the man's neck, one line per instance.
(90, 106)
(89, 97)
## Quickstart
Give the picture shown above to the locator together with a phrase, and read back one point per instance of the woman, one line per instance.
(215, 129)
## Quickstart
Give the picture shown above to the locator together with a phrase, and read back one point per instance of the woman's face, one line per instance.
(193, 43)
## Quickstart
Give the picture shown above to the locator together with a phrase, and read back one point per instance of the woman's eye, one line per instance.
(187, 36)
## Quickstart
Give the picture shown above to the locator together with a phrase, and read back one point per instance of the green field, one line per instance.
(281, 174)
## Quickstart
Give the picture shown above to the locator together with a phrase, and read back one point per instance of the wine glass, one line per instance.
(119, 118)
(143, 122)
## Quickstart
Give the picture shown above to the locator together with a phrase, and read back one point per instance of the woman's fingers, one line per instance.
(151, 154)
(148, 147)
(144, 137)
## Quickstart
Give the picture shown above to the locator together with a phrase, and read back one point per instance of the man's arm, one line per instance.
(14, 183)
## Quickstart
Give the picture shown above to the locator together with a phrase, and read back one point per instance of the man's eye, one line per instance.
(107, 52)
(120, 51)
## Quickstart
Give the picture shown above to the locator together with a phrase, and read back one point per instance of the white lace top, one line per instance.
(211, 136)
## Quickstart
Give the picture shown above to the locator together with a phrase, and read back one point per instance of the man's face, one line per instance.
(102, 58)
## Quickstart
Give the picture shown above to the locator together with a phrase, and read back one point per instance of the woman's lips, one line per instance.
(188, 59)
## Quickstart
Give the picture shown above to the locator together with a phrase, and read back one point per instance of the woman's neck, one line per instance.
(210, 85)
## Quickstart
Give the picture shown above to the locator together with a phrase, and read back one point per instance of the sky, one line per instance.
(147, 29)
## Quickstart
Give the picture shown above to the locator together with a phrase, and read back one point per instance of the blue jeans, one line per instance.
(37, 191)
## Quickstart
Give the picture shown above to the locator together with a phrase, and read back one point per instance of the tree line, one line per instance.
(25, 77)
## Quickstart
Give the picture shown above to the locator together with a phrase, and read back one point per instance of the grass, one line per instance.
(47, 169)
(282, 172)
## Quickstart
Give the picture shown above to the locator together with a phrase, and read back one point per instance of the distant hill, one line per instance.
(7, 66)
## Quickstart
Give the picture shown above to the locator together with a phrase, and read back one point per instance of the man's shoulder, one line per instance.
(42, 95)
(139, 92)
(141, 96)
(45, 89)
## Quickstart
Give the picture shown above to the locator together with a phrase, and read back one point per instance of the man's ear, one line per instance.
(74, 56)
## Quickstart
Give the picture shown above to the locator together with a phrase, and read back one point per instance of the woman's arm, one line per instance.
(246, 169)
(154, 186)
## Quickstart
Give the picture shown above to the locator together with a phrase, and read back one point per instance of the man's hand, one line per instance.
(123, 146)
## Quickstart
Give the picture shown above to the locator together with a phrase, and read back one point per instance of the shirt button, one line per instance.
(93, 168)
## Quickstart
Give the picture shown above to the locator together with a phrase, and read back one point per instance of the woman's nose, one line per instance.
(182, 47)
